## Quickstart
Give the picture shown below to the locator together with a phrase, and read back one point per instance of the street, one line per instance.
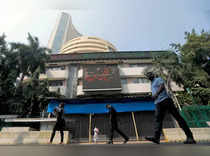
(148, 149)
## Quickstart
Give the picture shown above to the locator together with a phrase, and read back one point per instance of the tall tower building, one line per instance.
(63, 32)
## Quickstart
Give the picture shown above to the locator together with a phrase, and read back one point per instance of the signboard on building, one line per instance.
(101, 77)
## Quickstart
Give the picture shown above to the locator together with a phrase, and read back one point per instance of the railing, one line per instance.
(196, 116)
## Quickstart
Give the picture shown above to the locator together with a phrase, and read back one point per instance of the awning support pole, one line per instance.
(134, 123)
(90, 123)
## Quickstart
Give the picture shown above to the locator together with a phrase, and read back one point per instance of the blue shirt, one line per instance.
(155, 85)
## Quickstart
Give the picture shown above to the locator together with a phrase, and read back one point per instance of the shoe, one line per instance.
(61, 142)
(110, 142)
(157, 141)
(125, 141)
(190, 141)
(49, 142)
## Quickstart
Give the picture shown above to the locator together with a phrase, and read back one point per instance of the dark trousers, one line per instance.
(114, 127)
(161, 109)
(59, 126)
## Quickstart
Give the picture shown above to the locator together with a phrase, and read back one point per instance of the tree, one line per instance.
(34, 96)
(8, 74)
(30, 57)
(18, 60)
(31, 62)
(188, 66)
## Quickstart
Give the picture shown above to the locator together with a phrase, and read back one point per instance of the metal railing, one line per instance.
(196, 116)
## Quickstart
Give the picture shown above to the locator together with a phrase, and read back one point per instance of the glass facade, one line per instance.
(59, 36)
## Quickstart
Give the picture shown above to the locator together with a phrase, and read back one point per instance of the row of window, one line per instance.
(135, 80)
(56, 68)
(55, 83)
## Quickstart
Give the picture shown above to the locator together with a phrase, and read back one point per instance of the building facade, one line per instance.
(89, 80)
(64, 69)
(90, 73)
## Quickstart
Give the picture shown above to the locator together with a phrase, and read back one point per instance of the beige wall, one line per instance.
(128, 88)
(129, 73)
(132, 71)
(124, 72)
(87, 44)
(57, 73)
(56, 88)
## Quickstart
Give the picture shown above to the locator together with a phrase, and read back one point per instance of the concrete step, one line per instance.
(178, 135)
(31, 137)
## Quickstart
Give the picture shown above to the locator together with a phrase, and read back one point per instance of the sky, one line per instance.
(134, 25)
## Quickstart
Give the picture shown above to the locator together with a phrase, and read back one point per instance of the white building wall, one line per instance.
(79, 90)
(136, 88)
(128, 73)
(55, 74)
(80, 73)
(61, 88)
(131, 71)
(125, 72)
(128, 88)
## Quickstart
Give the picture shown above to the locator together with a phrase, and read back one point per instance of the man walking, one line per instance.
(60, 123)
(163, 104)
(114, 125)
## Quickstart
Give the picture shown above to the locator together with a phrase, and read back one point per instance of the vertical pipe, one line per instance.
(90, 123)
(134, 123)
(177, 102)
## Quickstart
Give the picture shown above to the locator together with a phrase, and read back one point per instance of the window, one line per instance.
(133, 65)
(55, 83)
(123, 65)
(56, 68)
(140, 80)
(123, 81)
(62, 67)
(139, 64)
(135, 80)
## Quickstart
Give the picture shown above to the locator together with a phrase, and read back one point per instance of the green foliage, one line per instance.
(8, 73)
(30, 57)
(17, 61)
(188, 66)
(185, 99)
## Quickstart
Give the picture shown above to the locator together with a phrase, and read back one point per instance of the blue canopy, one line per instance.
(100, 107)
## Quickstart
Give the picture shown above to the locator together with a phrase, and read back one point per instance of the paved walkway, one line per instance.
(149, 149)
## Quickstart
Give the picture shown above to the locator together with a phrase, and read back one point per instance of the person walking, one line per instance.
(164, 103)
(60, 123)
(114, 125)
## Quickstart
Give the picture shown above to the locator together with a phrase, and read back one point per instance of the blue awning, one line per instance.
(100, 107)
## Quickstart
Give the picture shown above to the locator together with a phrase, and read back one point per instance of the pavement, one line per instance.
(146, 149)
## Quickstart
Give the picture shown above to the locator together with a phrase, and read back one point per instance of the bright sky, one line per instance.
(128, 24)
